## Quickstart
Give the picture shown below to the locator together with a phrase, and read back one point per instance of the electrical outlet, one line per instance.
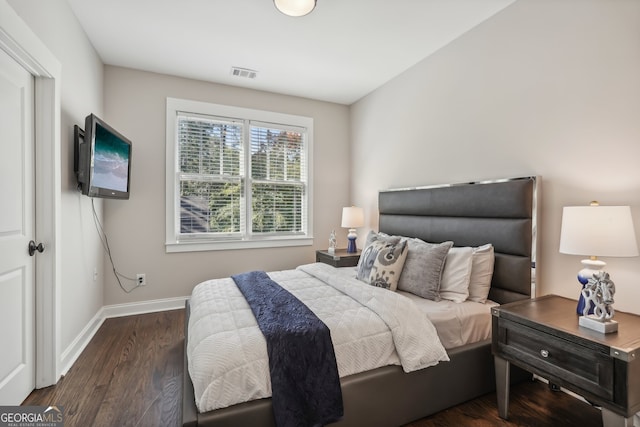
(141, 279)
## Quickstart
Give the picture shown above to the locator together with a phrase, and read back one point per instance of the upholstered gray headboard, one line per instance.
(500, 212)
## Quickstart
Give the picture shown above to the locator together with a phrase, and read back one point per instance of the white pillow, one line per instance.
(456, 275)
(481, 273)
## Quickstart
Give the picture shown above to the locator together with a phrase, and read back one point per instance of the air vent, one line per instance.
(244, 72)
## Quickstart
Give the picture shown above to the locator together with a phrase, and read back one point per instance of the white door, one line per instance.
(17, 218)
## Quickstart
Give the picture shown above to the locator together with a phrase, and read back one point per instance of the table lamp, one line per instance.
(595, 231)
(352, 218)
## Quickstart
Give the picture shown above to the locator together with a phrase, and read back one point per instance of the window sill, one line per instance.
(199, 245)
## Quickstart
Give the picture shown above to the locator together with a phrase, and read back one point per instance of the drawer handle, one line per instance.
(544, 353)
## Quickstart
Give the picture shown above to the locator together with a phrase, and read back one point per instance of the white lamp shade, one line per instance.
(352, 217)
(295, 7)
(598, 231)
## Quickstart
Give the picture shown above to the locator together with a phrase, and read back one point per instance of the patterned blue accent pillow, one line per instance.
(381, 263)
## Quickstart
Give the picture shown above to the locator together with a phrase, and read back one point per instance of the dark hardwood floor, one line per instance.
(131, 375)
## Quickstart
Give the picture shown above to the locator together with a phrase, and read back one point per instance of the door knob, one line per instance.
(33, 248)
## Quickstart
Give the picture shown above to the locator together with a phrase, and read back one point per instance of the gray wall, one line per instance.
(548, 88)
(135, 104)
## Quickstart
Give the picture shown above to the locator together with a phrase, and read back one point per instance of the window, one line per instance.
(236, 178)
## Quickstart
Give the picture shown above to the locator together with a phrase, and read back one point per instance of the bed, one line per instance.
(501, 213)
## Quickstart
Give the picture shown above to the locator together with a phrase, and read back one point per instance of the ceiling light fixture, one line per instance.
(295, 7)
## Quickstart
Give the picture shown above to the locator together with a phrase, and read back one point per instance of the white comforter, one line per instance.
(370, 327)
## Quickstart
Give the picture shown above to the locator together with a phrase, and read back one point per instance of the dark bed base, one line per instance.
(501, 213)
(383, 397)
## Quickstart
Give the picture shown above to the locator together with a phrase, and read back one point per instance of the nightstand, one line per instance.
(341, 258)
(542, 336)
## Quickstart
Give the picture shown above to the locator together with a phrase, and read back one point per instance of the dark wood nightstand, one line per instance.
(542, 336)
(341, 258)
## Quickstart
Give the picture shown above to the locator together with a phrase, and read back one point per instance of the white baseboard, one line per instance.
(71, 353)
(152, 306)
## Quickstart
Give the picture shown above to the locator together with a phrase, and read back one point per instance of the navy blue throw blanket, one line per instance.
(304, 375)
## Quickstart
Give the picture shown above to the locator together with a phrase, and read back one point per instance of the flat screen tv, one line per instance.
(102, 160)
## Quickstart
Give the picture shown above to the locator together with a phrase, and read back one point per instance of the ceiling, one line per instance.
(340, 52)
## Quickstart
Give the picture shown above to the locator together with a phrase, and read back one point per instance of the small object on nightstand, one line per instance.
(332, 242)
(590, 321)
(599, 291)
(340, 258)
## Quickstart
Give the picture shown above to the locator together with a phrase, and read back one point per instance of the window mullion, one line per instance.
(248, 184)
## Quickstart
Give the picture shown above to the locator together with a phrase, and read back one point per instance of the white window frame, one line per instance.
(173, 242)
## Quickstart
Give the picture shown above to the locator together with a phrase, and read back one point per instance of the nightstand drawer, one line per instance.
(557, 359)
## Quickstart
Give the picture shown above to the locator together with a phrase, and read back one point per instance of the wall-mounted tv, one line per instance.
(102, 160)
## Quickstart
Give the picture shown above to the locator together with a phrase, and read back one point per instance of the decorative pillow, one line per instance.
(423, 268)
(483, 261)
(382, 263)
(456, 274)
(362, 270)
(373, 237)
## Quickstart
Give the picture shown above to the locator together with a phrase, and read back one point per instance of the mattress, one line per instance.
(370, 327)
(456, 323)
